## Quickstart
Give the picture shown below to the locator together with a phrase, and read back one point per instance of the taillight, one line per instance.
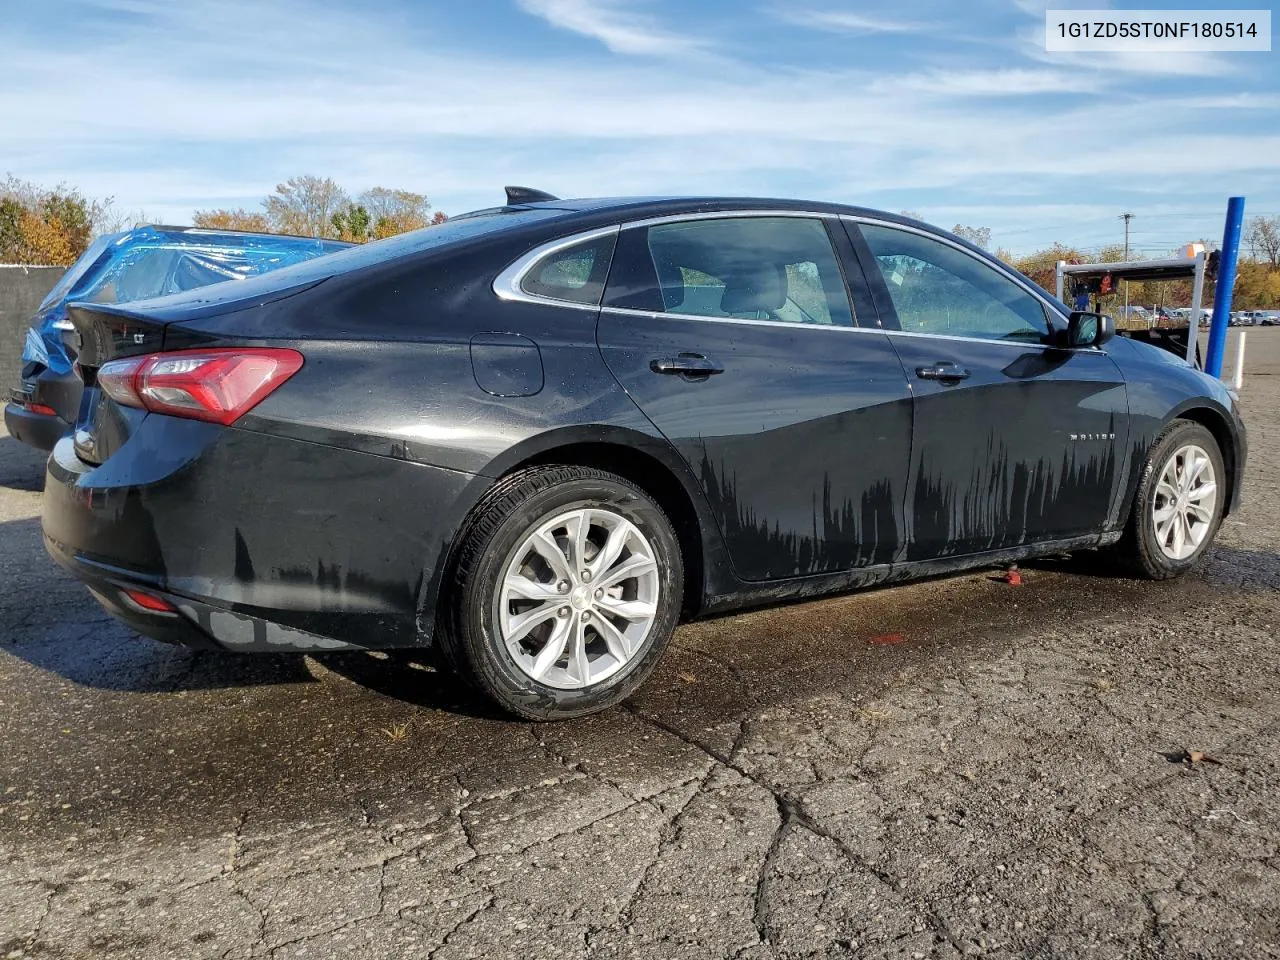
(219, 385)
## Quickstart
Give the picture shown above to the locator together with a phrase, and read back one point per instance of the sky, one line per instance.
(953, 110)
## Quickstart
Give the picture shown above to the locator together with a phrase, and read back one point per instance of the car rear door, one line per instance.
(1015, 441)
(735, 336)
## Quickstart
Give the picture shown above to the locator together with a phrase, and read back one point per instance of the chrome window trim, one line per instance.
(727, 215)
(704, 318)
(993, 264)
(507, 285)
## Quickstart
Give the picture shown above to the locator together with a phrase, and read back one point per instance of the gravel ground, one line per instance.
(1008, 780)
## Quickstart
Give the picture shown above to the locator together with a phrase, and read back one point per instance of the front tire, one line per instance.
(567, 586)
(1179, 503)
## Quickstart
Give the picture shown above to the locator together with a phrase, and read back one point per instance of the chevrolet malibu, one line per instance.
(537, 436)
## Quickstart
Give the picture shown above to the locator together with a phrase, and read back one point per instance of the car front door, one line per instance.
(735, 336)
(1015, 440)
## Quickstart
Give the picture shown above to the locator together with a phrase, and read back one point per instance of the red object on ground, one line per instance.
(1012, 577)
(887, 639)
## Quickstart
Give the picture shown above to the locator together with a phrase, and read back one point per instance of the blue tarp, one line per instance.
(152, 262)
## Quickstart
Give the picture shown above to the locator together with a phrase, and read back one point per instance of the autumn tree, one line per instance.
(978, 236)
(228, 219)
(396, 211)
(1042, 266)
(305, 206)
(1263, 235)
(46, 226)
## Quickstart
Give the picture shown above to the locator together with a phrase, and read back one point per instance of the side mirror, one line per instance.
(1089, 329)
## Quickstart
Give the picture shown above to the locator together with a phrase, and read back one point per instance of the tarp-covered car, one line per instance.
(137, 264)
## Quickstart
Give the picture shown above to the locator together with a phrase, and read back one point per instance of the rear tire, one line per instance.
(566, 588)
(1178, 507)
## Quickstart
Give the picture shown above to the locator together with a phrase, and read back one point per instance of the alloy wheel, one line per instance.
(1185, 502)
(578, 597)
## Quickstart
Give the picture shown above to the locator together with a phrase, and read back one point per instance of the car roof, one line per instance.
(640, 207)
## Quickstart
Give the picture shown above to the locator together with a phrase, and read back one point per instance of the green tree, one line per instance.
(352, 223)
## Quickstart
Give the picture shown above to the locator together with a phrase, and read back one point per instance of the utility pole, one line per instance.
(1126, 217)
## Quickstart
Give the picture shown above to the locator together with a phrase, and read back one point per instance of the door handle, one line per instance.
(691, 366)
(944, 371)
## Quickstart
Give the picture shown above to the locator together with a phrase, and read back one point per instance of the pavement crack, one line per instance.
(444, 941)
(761, 912)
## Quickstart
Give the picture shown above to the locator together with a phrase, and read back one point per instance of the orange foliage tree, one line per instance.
(43, 226)
(227, 219)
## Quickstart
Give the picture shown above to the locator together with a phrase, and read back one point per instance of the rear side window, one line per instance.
(575, 274)
(779, 269)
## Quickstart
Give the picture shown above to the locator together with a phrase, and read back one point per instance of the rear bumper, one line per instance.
(194, 623)
(39, 430)
(261, 543)
(40, 385)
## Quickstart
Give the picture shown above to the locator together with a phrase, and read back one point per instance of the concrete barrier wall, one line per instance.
(21, 290)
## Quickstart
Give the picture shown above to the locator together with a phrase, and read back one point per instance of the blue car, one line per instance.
(145, 262)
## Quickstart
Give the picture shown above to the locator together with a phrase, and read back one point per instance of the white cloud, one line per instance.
(618, 28)
(847, 21)
(1012, 82)
(225, 113)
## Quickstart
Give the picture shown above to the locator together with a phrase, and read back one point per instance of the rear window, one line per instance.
(575, 274)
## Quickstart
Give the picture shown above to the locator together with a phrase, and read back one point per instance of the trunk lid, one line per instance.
(106, 332)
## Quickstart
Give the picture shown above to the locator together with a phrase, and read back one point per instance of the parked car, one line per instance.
(536, 436)
(1270, 319)
(133, 265)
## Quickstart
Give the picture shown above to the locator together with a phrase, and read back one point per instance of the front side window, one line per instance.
(936, 288)
(780, 269)
(575, 274)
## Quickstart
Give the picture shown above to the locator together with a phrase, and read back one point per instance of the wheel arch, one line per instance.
(665, 482)
(1208, 415)
(647, 461)
(1217, 423)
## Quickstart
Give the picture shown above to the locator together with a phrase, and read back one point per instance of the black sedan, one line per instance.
(537, 436)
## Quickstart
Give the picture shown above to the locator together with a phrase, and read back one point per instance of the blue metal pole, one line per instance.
(1222, 292)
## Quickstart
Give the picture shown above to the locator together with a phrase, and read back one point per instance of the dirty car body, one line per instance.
(135, 264)
(816, 425)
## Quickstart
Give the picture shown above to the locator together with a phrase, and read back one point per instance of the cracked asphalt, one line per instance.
(1011, 779)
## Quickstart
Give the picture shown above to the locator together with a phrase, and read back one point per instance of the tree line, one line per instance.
(55, 225)
(311, 206)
